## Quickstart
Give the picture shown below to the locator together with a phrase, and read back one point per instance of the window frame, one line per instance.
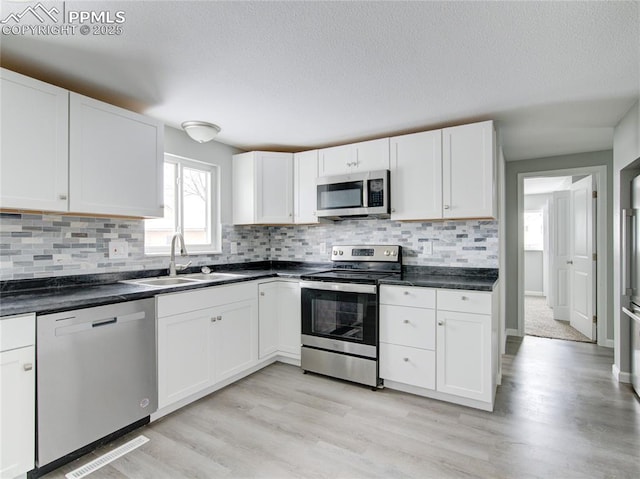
(214, 247)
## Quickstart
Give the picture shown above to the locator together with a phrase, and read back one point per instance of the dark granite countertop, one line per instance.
(57, 294)
(475, 279)
(50, 295)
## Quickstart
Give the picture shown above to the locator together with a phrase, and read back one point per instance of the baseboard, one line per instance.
(512, 332)
(534, 293)
(620, 376)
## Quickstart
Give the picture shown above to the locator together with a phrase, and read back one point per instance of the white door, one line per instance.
(235, 338)
(582, 246)
(34, 151)
(305, 172)
(268, 319)
(289, 318)
(560, 238)
(274, 188)
(416, 176)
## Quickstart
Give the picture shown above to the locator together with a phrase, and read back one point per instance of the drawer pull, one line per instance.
(406, 360)
(440, 323)
(28, 367)
(213, 319)
(464, 298)
(406, 293)
(406, 321)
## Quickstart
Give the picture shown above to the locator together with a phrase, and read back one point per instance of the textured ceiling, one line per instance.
(556, 76)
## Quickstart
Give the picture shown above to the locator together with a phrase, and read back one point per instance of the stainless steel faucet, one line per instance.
(173, 267)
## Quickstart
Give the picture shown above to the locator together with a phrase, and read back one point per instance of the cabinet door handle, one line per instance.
(569, 262)
(28, 367)
(261, 293)
(406, 360)
(219, 318)
(406, 321)
(213, 319)
(62, 197)
(446, 207)
(440, 323)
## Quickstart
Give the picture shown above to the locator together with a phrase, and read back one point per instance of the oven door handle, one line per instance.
(340, 287)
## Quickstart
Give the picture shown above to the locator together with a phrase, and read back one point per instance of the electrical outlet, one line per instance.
(323, 248)
(234, 247)
(118, 249)
(427, 248)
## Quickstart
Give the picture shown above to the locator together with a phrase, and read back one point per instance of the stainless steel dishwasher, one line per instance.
(96, 374)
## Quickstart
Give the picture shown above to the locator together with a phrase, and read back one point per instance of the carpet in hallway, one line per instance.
(538, 321)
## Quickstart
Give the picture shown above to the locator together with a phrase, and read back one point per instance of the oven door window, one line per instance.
(339, 315)
(340, 195)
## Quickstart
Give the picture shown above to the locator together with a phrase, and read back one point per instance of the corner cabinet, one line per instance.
(17, 395)
(356, 157)
(115, 160)
(440, 343)
(205, 337)
(262, 188)
(64, 152)
(280, 322)
(444, 174)
(34, 154)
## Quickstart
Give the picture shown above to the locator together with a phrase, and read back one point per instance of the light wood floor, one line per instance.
(559, 414)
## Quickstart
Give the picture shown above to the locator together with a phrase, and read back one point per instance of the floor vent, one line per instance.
(107, 458)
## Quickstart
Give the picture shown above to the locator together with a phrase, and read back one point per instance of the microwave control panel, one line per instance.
(376, 192)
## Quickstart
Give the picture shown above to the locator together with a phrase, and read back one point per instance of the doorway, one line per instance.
(558, 269)
(547, 220)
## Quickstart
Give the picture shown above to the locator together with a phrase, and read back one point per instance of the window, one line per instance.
(534, 230)
(190, 207)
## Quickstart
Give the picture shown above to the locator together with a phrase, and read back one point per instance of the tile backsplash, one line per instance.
(41, 245)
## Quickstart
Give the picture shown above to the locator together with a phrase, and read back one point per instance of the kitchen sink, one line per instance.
(162, 281)
(183, 279)
(211, 276)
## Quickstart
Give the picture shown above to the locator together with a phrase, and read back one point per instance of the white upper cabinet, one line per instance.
(115, 160)
(262, 188)
(364, 156)
(468, 171)
(65, 152)
(35, 144)
(416, 176)
(305, 172)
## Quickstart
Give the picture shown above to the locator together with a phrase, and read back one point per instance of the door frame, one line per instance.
(602, 267)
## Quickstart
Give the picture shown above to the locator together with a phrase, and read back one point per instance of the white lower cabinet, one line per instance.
(443, 345)
(464, 355)
(198, 348)
(17, 395)
(279, 304)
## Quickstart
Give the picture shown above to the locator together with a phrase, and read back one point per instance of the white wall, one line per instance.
(626, 164)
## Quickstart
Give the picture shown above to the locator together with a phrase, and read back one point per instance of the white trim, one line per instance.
(513, 332)
(619, 375)
(602, 215)
(610, 343)
(432, 394)
(534, 293)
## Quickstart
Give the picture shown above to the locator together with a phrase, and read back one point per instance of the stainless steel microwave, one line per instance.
(356, 194)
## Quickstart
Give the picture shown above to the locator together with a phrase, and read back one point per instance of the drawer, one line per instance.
(408, 296)
(415, 327)
(464, 301)
(17, 331)
(416, 367)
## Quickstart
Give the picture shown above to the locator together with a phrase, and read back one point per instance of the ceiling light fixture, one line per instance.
(201, 131)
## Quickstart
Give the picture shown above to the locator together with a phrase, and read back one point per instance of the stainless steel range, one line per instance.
(340, 312)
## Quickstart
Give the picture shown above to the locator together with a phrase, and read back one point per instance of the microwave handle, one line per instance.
(365, 193)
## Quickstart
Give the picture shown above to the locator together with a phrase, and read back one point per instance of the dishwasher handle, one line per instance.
(104, 322)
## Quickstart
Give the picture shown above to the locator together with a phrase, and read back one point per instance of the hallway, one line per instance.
(538, 321)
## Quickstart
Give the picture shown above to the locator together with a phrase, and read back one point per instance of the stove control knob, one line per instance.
(394, 253)
(335, 252)
(387, 252)
(340, 252)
